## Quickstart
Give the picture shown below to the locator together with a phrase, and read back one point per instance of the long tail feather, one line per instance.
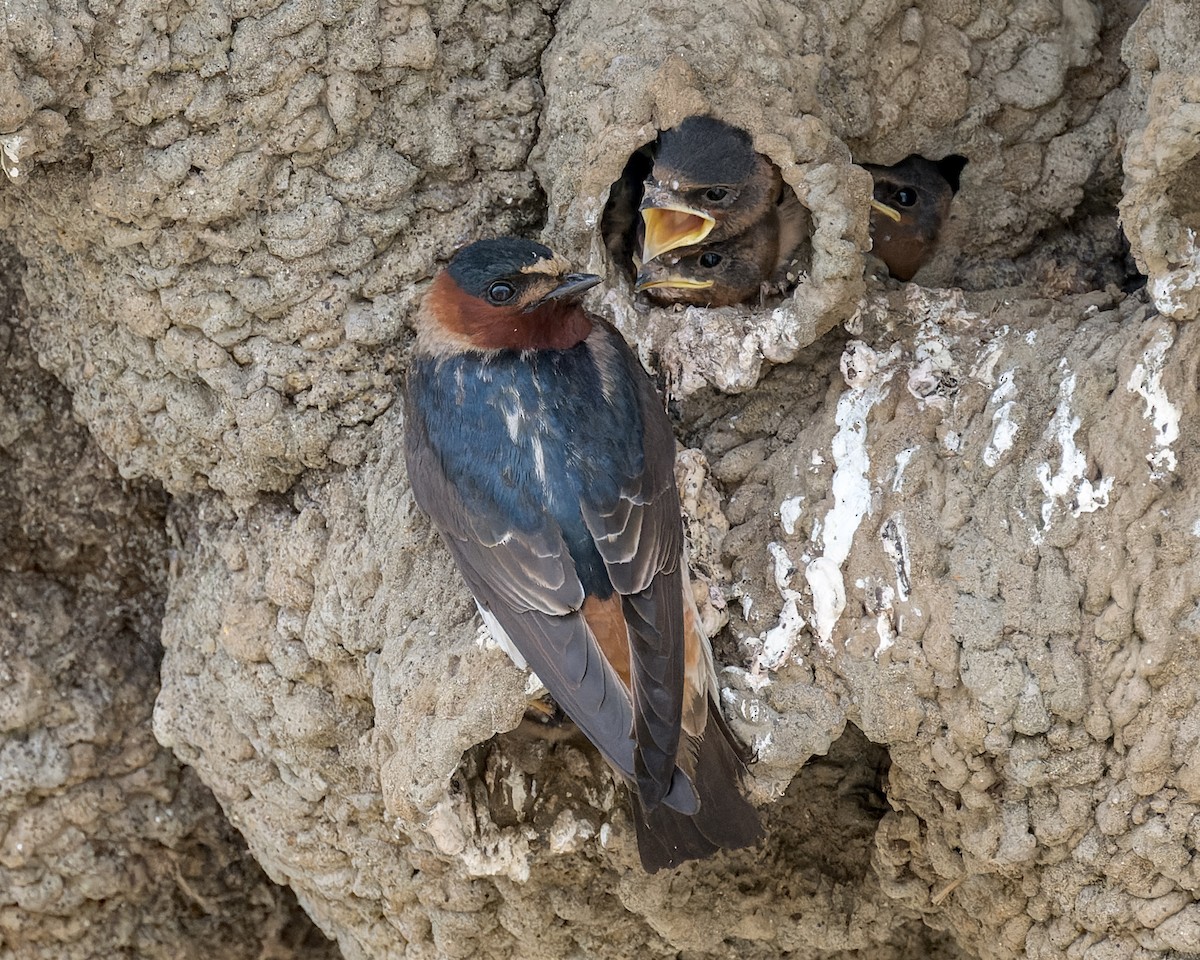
(725, 820)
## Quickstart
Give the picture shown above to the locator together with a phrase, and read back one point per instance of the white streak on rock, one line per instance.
(784, 568)
(1005, 428)
(887, 636)
(1146, 381)
(491, 636)
(1068, 481)
(985, 367)
(858, 364)
(778, 642)
(895, 544)
(10, 155)
(850, 486)
(902, 459)
(884, 628)
(789, 513)
(851, 489)
(1166, 288)
(569, 833)
(829, 597)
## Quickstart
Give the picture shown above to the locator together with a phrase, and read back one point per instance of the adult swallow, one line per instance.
(911, 202)
(707, 184)
(541, 451)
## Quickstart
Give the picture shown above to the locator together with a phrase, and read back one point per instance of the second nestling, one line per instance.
(911, 204)
(717, 223)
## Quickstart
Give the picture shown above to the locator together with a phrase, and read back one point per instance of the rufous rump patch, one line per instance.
(606, 620)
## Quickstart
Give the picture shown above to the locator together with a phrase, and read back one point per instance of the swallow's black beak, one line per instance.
(572, 286)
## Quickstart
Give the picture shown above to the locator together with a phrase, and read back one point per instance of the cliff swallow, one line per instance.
(541, 452)
(738, 270)
(911, 202)
(707, 184)
(715, 274)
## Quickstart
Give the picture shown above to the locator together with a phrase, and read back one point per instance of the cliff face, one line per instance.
(950, 528)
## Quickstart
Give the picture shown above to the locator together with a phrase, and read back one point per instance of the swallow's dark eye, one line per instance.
(715, 194)
(906, 196)
(709, 259)
(500, 292)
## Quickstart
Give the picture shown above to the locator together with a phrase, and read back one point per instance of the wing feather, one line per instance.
(640, 538)
(527, 581)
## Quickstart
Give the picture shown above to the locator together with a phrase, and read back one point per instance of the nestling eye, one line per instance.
(709, 259)
(500, 292)
(715, 194)
(906, 196)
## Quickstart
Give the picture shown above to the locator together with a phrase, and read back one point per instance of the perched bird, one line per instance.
(708, 184)
(715, 274)
(542, 453)
(911, 202)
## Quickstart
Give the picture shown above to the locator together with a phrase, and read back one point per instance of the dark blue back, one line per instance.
(590, 446)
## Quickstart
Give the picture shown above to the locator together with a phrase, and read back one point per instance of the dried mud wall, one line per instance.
(949, 528)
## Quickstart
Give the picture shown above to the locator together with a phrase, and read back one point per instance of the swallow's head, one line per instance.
(707, 183)
(505, 294)
(911, 202)
(716, 275)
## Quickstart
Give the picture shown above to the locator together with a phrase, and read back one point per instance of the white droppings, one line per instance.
(605, 834)
(1068, 481)
(923, 384)
(851, 489)
(789, 513)
(517, 789)
(884, 628)
(829, 597)
(1005, 428)
(569, 833)
(747, 605)
(858, 364)
(534, 687)
(1002, 434)
(1031, 337)
(850, 486)
(1196, 529)
(491, 636)
(783, 566)
(902, 459)
(985, 367)
(1146, 381)
(1165, 289)
(1006, 388)
(778, 642)
(894, 538)
(10, 155)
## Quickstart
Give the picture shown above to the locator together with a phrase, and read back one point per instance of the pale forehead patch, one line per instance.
(556, 266)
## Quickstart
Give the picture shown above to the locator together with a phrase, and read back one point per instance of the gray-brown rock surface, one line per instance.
(108, 845)
(952, 544)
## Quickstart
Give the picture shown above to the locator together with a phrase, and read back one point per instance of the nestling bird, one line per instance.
(912, 201)
(542, 453)
(708, 184)
(714, 274)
